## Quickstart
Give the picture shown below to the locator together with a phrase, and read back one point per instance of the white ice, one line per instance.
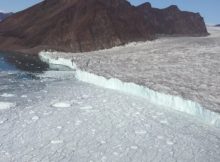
(7, 95)
(6, 105)
(98, 125)
(62, 105)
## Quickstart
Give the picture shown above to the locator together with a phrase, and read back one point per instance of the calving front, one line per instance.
(165, 100)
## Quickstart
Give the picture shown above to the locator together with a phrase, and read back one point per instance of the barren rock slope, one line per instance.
(88, 25)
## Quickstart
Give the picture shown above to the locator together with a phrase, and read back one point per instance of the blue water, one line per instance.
(5, 66)
(22, 74)
(25, 67)
(21, 62)
(21, 67)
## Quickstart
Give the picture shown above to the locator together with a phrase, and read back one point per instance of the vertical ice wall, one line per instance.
(165, 100)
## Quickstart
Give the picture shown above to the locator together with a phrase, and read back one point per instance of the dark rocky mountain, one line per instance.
(172, 21)
(4, 15)
(218, 25)
(86, 25)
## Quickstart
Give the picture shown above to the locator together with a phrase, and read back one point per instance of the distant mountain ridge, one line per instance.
(218, 25)
(4, 15)
(87, 25)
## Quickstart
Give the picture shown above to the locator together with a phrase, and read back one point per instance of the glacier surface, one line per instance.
(167, 101)
(188, 67)
(52, 116)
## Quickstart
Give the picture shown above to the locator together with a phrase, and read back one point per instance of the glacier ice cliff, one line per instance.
(165, 100)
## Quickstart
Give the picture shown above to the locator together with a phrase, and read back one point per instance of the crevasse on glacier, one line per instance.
(165, 100)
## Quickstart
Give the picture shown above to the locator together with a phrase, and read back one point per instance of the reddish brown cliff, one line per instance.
(85, 25)
(172, 21)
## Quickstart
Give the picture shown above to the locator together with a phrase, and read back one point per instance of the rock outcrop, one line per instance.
(86, 25)
(172, 21)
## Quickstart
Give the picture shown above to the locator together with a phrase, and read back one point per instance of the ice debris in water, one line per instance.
(61, 105)
(7, 95)
(6, 105)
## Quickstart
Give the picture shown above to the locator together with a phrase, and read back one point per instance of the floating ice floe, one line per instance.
(61, 105)
(165, 100)
(86, 107)
(24, 96)
(6, 105)
(7, 95)
(35, 118)
(56, 141)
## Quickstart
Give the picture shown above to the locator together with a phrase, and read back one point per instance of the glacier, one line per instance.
(165, 100)
(154, 97)
(55, 117)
